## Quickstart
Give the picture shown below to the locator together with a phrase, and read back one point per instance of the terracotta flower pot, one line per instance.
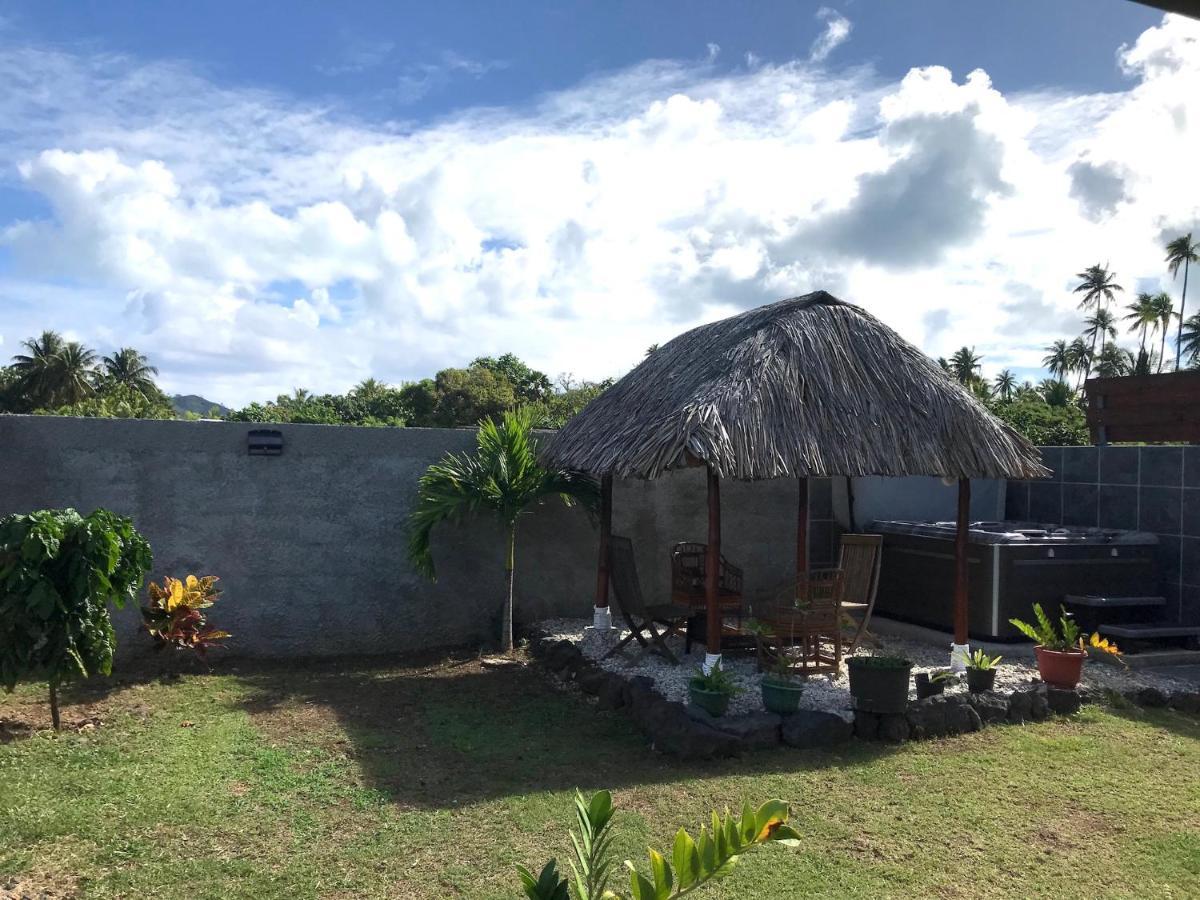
(1059, 668)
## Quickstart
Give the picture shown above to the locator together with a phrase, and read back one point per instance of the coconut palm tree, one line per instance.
(964, 364)
(37, 369)
(131, 369)
(1190, 339)
(1058, 360)
(1080, 356)
(1056, 392)
(1181, 252)
(76, 373)
(1102, 325)
(1098, 286)
(1114, 361)
(1142, 316)
(1165, 308)
(502, 477)
(1005, 383)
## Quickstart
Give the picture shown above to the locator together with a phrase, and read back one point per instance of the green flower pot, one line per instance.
(879, 684)
(781, 697)
(712, 702)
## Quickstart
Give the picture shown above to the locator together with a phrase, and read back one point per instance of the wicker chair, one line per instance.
(803, 628)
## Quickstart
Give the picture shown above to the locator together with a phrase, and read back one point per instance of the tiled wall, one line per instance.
(1154, 489)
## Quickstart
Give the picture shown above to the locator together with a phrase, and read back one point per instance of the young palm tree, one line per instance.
(1058, 360)
(502, 477)
(1006, 383)
(1055, 392)
(1114, 361)
(76, 373)
(1181, 252)
(1142, 316)
(1165, 307)
(964, 364)
(129, 368)
(1190, 340)
(1100, 324)
(37, 368)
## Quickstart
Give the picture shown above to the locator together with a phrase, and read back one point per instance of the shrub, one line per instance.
(58, 573)
(174, 618)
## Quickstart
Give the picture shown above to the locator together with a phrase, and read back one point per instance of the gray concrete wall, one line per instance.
(310, 545)
(1151, 488)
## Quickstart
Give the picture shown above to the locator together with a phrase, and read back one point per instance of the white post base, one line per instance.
(711, 661)
(958, 652)
(601, 617)
(600, 634)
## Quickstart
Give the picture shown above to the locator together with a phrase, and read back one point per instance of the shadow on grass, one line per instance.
(456, 733)
(1183, 724)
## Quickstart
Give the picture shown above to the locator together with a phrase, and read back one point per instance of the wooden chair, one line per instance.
(859, 560)
(804, 626)
(640, 618)
(687, 581)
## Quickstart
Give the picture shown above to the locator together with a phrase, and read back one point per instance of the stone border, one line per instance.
(688, 733)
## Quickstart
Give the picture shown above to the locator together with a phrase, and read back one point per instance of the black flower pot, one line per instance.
(927, 688)
(879, 684)
(980, 680)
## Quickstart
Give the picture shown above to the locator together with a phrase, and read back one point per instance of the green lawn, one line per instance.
(353, 781)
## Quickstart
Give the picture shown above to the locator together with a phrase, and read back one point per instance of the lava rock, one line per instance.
(1039, 707)
(894, 729)
(866, 725)
(1062, 701)
(563, 655)
(1150, 697)
(612, 693)
(592, 680)
(928, 718)
(811, 729)
(1185, 701)
(990, 707)
(961, 716)
(675, 732)
(756, 731)
(1020, 706)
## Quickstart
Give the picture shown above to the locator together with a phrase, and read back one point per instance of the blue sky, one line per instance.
(320, 192)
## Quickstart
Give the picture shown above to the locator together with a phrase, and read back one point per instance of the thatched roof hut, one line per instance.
(806, 386)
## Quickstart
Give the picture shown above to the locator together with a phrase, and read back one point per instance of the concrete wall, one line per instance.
(310, 545)
(1155, 489)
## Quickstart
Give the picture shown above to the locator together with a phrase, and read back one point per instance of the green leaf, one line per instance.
(662, 875)
(687, 860)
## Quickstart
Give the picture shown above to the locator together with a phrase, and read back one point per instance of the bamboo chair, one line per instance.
(859, 559)
(641, 618)
(804, 627)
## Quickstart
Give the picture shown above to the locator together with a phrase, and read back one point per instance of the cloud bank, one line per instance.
(252, 242)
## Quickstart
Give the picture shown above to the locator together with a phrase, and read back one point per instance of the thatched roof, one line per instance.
(806, 386)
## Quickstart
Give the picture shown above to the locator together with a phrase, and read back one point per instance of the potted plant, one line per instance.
(879, 684)
(932, 683)
(1061, 651)
(712, 691)
(781, 688)
(981, 671)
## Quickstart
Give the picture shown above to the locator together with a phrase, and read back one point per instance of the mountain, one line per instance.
(192, 403)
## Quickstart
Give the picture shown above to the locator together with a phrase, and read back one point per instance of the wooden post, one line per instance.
(605, 534)
(802, 537)
(712, 565)
(960, 560)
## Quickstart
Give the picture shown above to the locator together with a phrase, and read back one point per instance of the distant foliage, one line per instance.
(1043, 424)
(58, 573)
(175, 616)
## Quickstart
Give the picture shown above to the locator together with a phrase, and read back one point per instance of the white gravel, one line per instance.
(831, 693)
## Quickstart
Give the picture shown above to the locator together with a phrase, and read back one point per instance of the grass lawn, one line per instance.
(431, 781)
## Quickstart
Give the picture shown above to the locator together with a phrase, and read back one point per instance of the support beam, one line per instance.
(960, 561)
(802, 535)
(605, 534)
(712, 570)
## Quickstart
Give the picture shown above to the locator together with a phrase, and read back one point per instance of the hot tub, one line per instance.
(1010, 566)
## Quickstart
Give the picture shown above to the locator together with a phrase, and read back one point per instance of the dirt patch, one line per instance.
(32, 888)
(1078, 831)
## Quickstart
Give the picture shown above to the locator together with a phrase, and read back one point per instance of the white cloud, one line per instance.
(836, 33)
(252, 243)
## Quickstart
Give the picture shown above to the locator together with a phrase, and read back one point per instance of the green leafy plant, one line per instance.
(1066, 637)
(980, 660)
(502, 477)
(693, 862)
(174, 614)
(871, 661)
(937, 676)
(716, 681)
(58, 573)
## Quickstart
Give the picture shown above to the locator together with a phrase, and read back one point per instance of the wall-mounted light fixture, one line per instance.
(264, 442)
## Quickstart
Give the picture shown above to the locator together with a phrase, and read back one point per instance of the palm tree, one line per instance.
(1181, 252)
(129, 368)
(964, 365)
(1006, 383)
(76, 373)
(1080, 356)
(1058, 360)
(1190, 339)
(1165, 308)
(1055, 392)
(37, 368)
(502, 477)
(1100, 323)
(1114, 361)
(1098, 286)
(1143, 316)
